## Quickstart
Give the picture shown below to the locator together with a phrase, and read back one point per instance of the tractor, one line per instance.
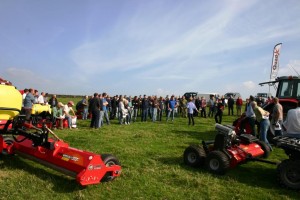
(288, 93)
(37, 142)
(227, 151)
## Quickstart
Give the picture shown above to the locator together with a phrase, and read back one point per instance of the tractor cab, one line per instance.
(288, 92)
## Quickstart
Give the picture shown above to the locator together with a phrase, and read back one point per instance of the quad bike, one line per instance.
(227, 151)
(288, 171)
(17, 136)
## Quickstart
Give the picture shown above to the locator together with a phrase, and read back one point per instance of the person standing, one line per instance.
(114, 105)
(262, 117)
(211, 103)
(172, 104)
(145, 106)
(53, 101)
(41, 99)
(219, 114)
(161, 106)
(105, 108)
(197, 104)
(230, 105)
(183, 103)
(239, 104)
(85, 111)
(191, 107)
(292, 123)
(28, 102)
(277, 117)
(155, 107)
(203, 107)
(135, 103)
(23, 97)
(94, 108)
(249, 117)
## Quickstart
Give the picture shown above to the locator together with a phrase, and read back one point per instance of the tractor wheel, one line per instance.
(9, 141)
(217, 162)
(265, 148)
(194, 156)
(109, 160)
(288, 173)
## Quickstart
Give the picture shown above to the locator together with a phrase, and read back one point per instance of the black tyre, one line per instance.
(109, 160)
(194, 156)
(217, 162)
(9, 141)
(265, 148)
(288, 173)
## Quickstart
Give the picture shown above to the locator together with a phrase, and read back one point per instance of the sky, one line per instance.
(137, 47)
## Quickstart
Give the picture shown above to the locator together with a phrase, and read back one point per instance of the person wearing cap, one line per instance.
(66, 112)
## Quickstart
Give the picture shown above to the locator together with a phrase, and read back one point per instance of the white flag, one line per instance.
(275, 62)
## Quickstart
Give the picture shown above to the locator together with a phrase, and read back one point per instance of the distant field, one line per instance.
(152, 167)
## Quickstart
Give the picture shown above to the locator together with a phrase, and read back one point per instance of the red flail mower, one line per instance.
(38, 143)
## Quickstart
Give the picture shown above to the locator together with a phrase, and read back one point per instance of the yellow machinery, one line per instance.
(38, 108)
(10, 102)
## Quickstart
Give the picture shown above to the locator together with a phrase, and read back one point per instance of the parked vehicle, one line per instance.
(187, 95)
(234, 95)
(263, 96)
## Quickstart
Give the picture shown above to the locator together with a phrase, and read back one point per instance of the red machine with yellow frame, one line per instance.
(24, 139)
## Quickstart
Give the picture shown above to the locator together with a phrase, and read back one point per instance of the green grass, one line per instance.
(152, 167)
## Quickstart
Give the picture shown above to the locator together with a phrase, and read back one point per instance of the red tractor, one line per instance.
(34, 142)
(227, 151)
(288, 93)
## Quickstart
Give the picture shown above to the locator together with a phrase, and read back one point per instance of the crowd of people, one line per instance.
(101, 108)
(60, 112)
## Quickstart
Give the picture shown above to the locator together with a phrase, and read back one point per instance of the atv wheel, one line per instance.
(217, 162)
(194, 156)
(265, 148)
(288, 173)
(109, 160)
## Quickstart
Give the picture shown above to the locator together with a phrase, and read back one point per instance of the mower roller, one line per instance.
(17, 136)
(227, 151)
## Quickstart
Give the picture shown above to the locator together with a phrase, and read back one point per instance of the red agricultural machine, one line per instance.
(288, 93)
(227, 151)
(17, 136)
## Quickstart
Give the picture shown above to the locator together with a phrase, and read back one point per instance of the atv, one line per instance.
(227, 151)
(288, 171)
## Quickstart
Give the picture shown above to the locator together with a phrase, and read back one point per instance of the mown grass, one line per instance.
(152, 167)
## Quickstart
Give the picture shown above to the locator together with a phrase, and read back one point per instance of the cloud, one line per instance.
(250, 85)
(292, 68)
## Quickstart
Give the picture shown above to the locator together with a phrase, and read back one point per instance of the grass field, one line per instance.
(152, 167)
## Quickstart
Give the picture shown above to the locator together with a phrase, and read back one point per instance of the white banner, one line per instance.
(275, 62)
